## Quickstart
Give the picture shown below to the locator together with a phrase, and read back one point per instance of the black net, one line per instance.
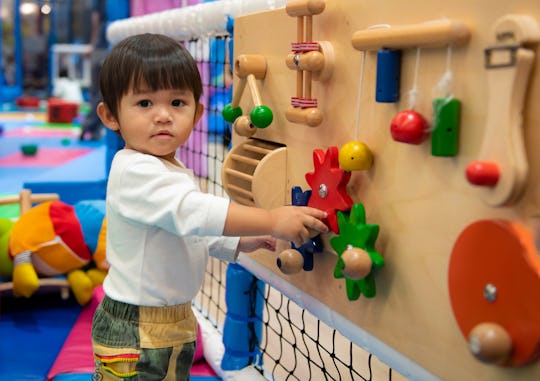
(295, 344)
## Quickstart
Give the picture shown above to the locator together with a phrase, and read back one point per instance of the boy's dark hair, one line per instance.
(151, 60)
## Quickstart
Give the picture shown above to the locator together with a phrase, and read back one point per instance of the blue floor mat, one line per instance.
(32, 333)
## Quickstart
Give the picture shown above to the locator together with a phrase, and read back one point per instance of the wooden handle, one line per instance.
(508, 69)
(255, 95)
(299, 8)
(429, 34)
(238, 91)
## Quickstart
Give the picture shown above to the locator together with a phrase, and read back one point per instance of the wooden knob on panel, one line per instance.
(310, 116)
(300, 8)
(290, 261)
(310, 61)
(246, 64)
(357, 262)
(490, 343)
(243, 126)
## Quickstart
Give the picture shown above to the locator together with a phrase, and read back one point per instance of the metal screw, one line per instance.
(490, 292)
(323, 191)
(296, 59)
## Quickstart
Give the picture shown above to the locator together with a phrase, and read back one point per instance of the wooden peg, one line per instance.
(246, 64)
(429, 34)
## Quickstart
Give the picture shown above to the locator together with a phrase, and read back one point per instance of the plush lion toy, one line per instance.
(54, 238)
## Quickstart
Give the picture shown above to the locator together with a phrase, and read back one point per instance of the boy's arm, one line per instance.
(291, 223)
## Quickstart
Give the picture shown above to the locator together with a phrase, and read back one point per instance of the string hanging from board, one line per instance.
(409, 126)
(446, 114)
(356, 155)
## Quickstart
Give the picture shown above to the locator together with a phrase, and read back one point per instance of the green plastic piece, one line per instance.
(261, 116)
(29, 149)
(445, 135)
(354, 231)
(230, 114)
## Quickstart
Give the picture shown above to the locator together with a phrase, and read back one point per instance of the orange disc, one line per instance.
(494, 276)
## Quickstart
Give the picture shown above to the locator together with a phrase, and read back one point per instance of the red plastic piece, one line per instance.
(410, 127)
(60, 111)
(483, 173)
(27, 101)
(328, 185)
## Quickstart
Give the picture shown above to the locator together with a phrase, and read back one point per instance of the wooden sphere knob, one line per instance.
(358, 263)
(290, 261)
(490, 343)
(243, 126)
(313, 116)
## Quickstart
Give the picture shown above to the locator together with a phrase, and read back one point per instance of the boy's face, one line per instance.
(155, 123)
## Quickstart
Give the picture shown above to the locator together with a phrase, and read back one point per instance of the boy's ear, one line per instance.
(198, 113)
(107, 117)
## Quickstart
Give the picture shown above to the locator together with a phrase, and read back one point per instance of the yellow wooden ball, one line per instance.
(355, 156)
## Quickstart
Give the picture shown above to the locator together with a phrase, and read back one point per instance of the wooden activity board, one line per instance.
(438, 186)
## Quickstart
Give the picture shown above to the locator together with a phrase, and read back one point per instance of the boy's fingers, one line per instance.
(317, 213)
(318, 225)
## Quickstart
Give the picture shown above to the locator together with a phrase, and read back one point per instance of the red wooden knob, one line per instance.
(358, 263)
(483, 173)
(410, 127)
(490, 343)
(290, 261)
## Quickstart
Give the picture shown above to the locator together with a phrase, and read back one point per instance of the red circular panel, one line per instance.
(501, 254)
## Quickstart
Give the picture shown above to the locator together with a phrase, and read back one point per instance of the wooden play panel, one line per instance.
(425, 188)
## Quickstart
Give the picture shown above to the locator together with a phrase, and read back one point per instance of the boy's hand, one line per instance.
(293, 223)
(249, 244)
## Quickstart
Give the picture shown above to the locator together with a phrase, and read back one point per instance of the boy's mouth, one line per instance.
(163, 133)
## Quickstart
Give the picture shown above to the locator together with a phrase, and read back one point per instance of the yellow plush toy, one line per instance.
(54, 238)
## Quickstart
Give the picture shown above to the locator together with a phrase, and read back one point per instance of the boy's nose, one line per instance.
(163, 115)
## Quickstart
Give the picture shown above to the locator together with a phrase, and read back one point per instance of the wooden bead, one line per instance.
(490, 343)
(358, 263)
(290, 261)
(244, 127)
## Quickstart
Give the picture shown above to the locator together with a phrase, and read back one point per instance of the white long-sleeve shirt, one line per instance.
(160, 230)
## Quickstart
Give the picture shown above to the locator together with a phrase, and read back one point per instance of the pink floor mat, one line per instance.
(45, 157)
(76, 353)
(38, 132)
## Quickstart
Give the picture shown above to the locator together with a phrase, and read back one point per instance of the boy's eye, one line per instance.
(144, 103)
(177, 102)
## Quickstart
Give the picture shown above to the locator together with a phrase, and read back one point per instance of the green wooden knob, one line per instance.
(261, 116)
(230, 113)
